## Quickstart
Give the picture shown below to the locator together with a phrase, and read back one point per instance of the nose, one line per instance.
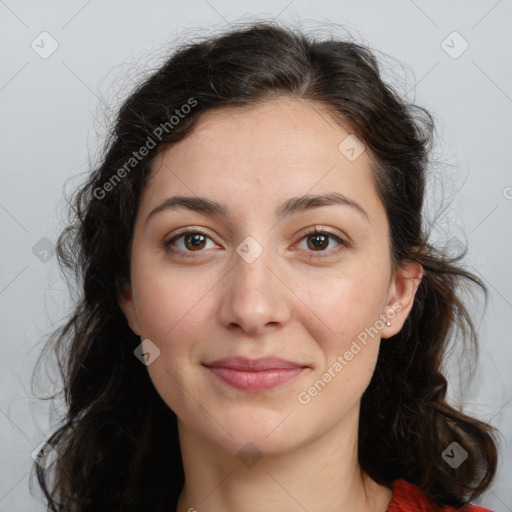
(255, 297)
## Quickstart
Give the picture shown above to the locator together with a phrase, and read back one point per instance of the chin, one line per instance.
(259, 437)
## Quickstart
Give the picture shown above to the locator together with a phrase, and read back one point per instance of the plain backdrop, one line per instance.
(65, 65)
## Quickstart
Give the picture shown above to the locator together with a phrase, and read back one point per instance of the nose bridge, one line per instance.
(254, 296)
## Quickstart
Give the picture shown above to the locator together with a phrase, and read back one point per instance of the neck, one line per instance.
(320, 475)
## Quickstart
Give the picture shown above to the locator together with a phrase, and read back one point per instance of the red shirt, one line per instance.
(407, 497)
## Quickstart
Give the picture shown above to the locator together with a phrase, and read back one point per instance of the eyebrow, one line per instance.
(292, 206)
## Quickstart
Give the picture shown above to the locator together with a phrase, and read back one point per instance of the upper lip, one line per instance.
(254, 364)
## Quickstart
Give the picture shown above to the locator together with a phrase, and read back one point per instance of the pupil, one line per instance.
(197, 240)
(321, 240)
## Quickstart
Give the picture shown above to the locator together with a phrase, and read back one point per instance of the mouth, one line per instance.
(255, 374)
(255, 380)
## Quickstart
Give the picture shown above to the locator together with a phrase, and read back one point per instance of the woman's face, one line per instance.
(257, 282)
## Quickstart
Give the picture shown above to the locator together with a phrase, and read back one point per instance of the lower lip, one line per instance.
(255, 380)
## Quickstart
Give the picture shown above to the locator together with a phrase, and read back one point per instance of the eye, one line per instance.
(318, 241)
(192, 241)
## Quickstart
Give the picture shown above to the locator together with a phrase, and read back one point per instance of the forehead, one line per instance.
(264, 153)
(284, 131)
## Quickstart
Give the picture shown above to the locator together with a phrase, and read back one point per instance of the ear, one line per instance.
(402, 290)
(127, 305)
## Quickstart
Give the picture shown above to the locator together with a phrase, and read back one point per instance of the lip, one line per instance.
(255, 374)
(254, 364)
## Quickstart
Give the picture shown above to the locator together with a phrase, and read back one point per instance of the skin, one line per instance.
(289, 302)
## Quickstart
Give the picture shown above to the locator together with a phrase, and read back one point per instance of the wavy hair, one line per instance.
(118, 443)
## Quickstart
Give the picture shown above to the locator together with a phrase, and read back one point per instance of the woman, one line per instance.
(263, 319)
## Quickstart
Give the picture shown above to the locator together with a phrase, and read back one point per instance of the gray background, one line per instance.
(54, 108)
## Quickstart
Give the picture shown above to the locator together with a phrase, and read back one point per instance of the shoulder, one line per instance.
(408, 497)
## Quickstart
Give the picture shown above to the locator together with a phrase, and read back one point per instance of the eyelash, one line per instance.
(318, 254)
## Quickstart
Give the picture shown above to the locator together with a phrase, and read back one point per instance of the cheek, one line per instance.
(348, 304)
(344, 302)
(171, 300)
(173, 310)
(348, 307)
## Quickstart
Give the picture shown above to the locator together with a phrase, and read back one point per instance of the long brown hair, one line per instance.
(118, 444)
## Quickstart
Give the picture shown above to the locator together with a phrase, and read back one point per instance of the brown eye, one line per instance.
(194, 241)
(318, 241)
(187, 242)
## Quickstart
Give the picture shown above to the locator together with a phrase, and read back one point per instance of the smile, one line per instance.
(255, 380)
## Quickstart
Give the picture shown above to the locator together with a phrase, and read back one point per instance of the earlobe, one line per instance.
(402, 292)
(127, 305)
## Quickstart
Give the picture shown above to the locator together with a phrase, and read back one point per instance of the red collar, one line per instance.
(407, 497)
